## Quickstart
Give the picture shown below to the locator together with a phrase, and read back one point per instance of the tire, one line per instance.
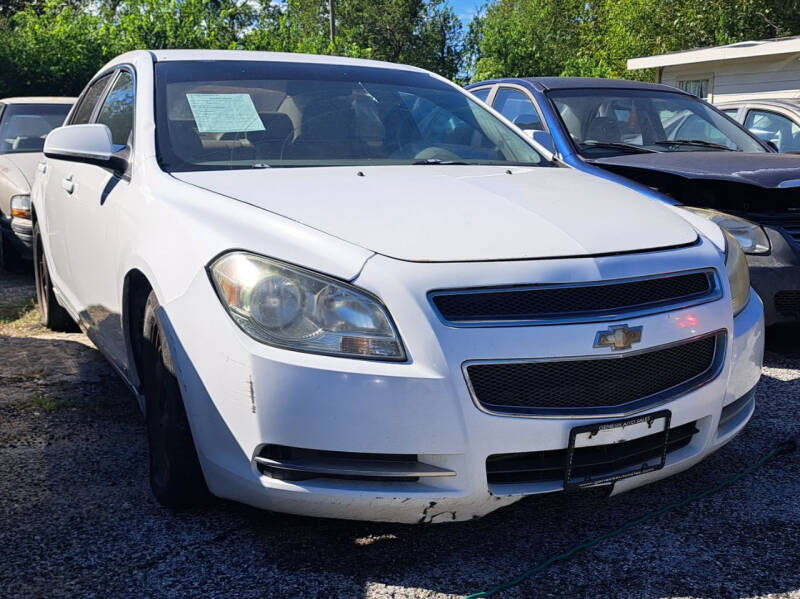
(10, 257)
(176, 478)
(51, 314)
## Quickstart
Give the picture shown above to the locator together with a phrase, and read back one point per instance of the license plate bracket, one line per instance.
(609, 434)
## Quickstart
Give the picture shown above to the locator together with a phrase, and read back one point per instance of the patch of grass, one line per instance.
(45, 403)
(19, 317)
(15, 309)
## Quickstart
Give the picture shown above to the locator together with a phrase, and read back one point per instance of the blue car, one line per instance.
(672, 146)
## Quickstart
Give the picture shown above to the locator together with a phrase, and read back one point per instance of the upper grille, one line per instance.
(586, 301)
(595, 386)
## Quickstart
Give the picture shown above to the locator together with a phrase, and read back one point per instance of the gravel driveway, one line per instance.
(77, 518)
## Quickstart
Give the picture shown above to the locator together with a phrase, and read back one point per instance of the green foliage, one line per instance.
(52, 53)
(54, 46)
(595, 39)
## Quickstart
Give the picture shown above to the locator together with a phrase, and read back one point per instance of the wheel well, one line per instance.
(135, 292)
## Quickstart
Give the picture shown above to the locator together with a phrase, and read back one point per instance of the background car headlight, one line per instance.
(21, 206)
(750, 236)
(738, 273)
(294, 308)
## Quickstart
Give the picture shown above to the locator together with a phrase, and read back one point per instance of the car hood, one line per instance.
(762, 169)
(25, 162)
(459, 213)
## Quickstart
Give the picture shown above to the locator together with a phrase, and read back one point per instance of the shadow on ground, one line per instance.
(78, 518)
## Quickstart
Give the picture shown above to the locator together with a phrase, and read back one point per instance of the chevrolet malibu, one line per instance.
(347, 288)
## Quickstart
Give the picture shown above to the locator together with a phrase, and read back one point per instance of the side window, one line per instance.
(731, 112)
(117, 110)
(89, 100)
(517, 108)
(482, 93)
(776, 128)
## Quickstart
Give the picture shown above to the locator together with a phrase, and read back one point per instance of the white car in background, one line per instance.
(347, 288)
(24, 123)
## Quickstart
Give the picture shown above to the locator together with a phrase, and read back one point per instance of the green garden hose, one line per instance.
(784, 448)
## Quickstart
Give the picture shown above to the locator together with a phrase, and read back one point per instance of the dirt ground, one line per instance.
(77, 518)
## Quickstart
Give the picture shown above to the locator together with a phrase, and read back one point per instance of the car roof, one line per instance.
(785, 102)
(200, 55)
(552, 83)
(39, 100)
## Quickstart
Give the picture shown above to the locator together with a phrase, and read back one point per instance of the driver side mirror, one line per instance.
(91, 144)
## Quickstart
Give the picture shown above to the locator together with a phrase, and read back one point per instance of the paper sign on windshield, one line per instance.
(224, 113)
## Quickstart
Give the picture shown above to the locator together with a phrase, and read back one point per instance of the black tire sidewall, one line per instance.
(175, 475)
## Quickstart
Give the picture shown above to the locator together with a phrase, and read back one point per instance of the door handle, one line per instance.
(68, 184)
(42, 166)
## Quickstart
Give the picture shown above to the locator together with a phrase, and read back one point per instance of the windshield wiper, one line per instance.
(701, 143)
(437, 161)
(617, 145)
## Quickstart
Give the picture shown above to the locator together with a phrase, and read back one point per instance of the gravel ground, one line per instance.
(77, 518)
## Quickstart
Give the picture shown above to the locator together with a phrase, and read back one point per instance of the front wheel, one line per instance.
(51, 314)
(175, 475)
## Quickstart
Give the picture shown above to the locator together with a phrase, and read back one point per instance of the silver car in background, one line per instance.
(24, 123)
(775, 121)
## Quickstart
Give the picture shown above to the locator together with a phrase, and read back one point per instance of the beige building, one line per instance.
(742, 71)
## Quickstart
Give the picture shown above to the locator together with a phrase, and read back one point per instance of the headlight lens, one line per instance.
(751, 237)
(290, 307)
(738, 273)
(21, 206)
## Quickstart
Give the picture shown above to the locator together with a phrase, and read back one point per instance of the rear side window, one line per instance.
(89, 100)
(517, 108)
(482, 94)
(117, 110)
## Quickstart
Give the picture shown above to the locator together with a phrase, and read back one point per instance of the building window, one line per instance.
(698, 87)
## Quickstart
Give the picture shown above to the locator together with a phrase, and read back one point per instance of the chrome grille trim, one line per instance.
(713, 293)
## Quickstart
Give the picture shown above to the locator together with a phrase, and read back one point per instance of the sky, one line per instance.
(465, 9)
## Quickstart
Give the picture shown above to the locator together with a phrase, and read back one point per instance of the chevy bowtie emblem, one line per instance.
(618, 337)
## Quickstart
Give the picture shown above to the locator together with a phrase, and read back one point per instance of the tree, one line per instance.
(52, 49)
(517, 38)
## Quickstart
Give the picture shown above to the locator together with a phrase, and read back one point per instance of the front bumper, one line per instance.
(776, 279)
(242, 395)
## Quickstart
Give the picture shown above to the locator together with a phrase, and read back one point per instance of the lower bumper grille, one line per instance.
(787, 302)
(294, 463)
(599, 385)
(601, 460)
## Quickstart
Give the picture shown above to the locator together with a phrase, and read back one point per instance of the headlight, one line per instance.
(290, 307)
(738, 273)
(750, 236)
(21, 206)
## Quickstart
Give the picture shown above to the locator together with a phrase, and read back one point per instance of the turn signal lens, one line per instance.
(21, 207)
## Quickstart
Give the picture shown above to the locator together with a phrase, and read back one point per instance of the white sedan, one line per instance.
(346, 288)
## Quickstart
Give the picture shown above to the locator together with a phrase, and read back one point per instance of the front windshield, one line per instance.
(610, 122)
(247, 114)
(23, 127)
